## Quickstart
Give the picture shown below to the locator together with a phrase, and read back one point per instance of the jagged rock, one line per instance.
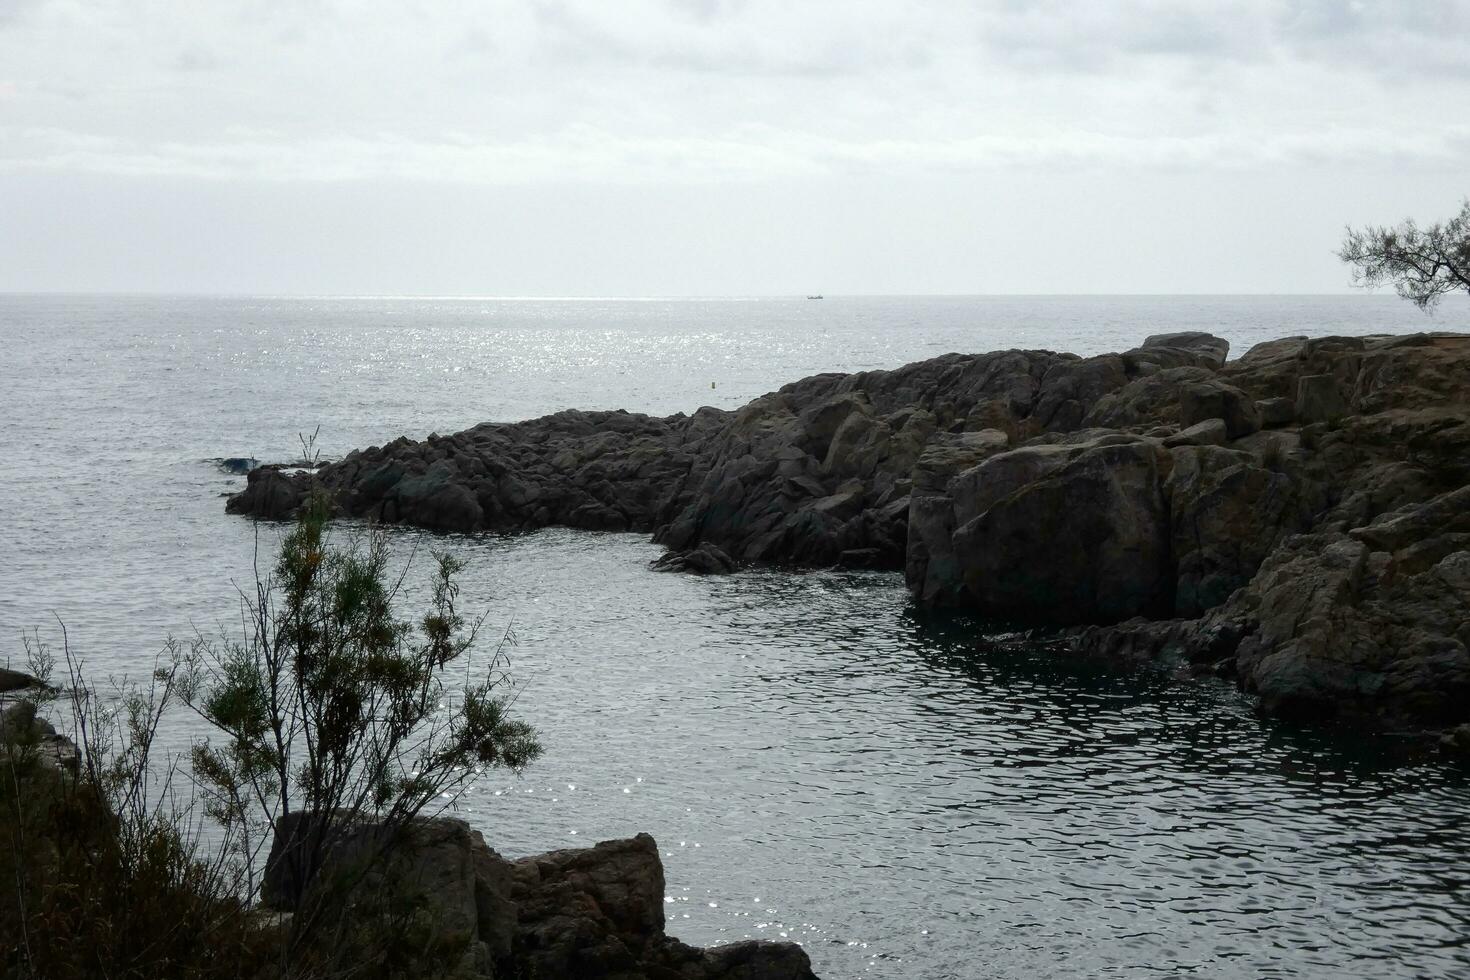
(1037, 488)
(1217, 400)
(1210, 432)
(22, 729)
(15, 680)
(269, 493)
(1067, 533)
(752, 959)
(1368, 626)
(929, 560)
(1226, 514)
(1276, 412)
(1319, 400)
(1456, 740)
(704, 560)
(1213, 349)
(1070, 388)
(1147, 400)
(593, 913)
(20, 721)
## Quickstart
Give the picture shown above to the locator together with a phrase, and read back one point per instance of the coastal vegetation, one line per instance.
(331, 715)
(1422, 264)
(304, 838)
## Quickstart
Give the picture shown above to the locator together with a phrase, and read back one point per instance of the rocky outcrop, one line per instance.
(15, 680)
(596, 470)
(1075, 531)
(1152, 496)
(24, 734)
(1372, 623)
(590, 913)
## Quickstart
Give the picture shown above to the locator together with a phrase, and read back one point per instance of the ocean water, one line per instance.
(817, 760)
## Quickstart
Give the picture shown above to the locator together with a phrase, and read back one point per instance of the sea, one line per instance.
(818, 760)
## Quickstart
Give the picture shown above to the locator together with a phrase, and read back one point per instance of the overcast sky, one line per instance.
(631, 147)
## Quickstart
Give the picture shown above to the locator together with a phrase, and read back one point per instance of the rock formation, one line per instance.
(1288, 516)
(594, 913)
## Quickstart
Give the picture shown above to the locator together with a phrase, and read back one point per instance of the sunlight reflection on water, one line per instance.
(814, 759)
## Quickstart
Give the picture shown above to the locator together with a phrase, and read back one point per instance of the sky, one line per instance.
(719, 147)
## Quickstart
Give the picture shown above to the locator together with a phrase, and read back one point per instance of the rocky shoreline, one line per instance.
(594, 912)
(1297, 518)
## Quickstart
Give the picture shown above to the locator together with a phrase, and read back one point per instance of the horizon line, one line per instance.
(672, 297)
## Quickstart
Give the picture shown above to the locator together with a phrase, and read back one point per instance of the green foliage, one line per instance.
(333, 709)
(106, 877)
(330, 710)
(1422, 264)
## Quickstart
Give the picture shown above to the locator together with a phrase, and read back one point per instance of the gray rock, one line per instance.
(15, 680)
(1067, 534)
(595, 913)
(1456, 741)
(269, 494)
(1147, 400)
(23, 731)
(238, 465)
(1214, 349)
(1351, 633)
(703, 560)
(1276, 412)
(1216, 400)
(1226, 514)
(1318, 399)
(1210, 432)
(929, 565)
(1016, 484)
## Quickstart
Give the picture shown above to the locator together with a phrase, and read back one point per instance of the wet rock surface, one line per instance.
(1241, 508)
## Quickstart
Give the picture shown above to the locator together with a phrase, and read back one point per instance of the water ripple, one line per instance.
(817, 761)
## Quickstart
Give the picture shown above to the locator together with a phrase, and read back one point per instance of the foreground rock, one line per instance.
(589, 913)
(15, 680)
(1164, 484)
(26, 735)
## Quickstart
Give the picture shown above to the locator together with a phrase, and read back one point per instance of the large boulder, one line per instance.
(1319, 399)
(1202, 401)
(1206, 346)
(15, 680)
(1226, 514)
(1369, 625)
(270, 494)
(1148, 400)
(25, 734)
(929, 566)
(1067, 533)
(593, 913)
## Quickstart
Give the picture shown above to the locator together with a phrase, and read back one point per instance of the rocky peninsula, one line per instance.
(1297, 518)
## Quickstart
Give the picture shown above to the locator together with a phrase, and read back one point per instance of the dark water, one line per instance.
(814, 759)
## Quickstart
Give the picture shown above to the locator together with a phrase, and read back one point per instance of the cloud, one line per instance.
(194, 60)
(696, 91)
(589, 155)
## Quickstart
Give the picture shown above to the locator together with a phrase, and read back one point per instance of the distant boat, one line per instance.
(818, 296)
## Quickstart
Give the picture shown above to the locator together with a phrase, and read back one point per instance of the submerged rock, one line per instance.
(238, 465)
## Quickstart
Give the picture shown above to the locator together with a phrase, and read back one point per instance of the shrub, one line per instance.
(330, 715)
(332, 711)
(106, 874)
